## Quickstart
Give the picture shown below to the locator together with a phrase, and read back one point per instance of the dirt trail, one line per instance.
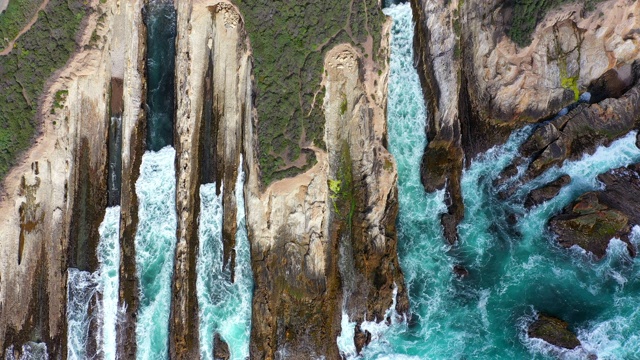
(9, 47)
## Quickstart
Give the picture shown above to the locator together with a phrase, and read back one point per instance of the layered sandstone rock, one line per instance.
(480, 86)
(128, 60)
(213, 92)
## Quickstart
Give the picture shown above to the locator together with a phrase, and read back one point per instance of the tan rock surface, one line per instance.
(37, 209)
(315, 245)
(209, 32)
(128, 49)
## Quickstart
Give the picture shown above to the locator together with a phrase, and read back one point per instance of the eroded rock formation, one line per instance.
(596, 217)
(213, 97)
(325, 240)
(55, 199)
(479, 85)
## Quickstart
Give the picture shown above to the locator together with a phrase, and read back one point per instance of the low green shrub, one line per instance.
(289, 41)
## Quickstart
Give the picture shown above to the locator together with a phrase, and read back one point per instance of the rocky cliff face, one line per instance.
(128, 59)
(325, 240)
(213, 92)
(53, 202)
(479, 85)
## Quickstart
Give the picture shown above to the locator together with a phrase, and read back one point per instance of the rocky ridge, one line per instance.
(213, 95)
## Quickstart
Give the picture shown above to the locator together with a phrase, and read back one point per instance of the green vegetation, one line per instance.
(289, 41)
(528, 13)
(15, 17)
(343, 105)
(60, 99)
(343, 192)
(38, 53)
(334, 186)
(571, 83)
(566, 81)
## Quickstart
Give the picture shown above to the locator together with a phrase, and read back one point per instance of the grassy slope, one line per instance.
(38, 53)
(289, 40)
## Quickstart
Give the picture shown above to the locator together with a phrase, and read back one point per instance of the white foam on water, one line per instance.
(345, 340)
(81, 289)
(225, 307)
(155, 243)
(109, 259)
(30, 351)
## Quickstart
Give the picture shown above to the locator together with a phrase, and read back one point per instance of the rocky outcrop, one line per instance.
(546, 192)
(220, 348)
(325, 240)
(55, 198)
(581, 131)
(479, 85)
(128, 61)
(598, 216)
(436, 43)
(212, 69)
(554, 331)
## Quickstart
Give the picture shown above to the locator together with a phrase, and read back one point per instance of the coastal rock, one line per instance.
(54, 199)
(554, 331)
(582, 130)
(361, 338)
(211, 110)
(479, 85)
(547, 192)
(220, 348)
(598, 216)
(590, 224)
(325, 241)
(436, 44)
(128, 45)
(460, 271)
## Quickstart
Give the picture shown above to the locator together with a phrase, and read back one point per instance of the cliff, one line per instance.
(480, 85)
(321, 241)
(213, 92)
(325, 240)
(52, 206)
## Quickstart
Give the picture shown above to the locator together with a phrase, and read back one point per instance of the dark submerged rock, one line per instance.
(554, 331)
(220, 348)
(460, 271)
